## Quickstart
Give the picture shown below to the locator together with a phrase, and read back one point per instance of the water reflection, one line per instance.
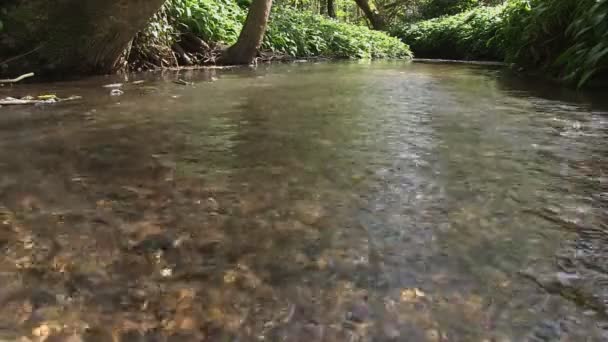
(334, 202)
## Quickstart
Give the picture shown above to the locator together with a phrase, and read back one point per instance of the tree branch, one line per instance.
(15, 80)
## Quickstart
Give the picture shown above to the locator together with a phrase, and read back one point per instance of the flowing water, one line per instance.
(305, 202)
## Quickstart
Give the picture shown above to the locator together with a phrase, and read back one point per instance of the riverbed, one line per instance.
(384, 201)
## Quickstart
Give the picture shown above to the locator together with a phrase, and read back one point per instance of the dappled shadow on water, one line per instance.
(336, 202)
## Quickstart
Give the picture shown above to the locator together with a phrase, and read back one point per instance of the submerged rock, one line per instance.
(546, 331)
(97, 335)
(308, 212)
(154, 243)
(390, 331)
(359, 313)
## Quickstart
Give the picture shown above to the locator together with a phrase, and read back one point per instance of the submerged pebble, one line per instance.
(360, 312)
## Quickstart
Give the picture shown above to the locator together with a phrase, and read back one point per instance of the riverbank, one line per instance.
(182, 33)
(560, 40)
(176, 38)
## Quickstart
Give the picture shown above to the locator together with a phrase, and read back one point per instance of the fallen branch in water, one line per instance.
(10, 101)
(15, 80)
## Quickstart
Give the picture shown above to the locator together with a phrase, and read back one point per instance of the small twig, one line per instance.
(182, 82)
(15, 80)
(22, 55)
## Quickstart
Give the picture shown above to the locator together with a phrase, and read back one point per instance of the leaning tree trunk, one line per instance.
(246, 48)
(331, 8)
(375, 19)
(66, 37)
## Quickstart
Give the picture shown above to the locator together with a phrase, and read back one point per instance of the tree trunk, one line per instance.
(323, 6)
(246, 47)
(67, 37)
(331, 8)
(374, 17)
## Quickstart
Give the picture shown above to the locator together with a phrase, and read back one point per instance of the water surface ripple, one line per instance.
(305, 202)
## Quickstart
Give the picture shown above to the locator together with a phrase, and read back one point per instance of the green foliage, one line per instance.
(293, 32)
(303, 34)
(588, 32)
(217, 21)
(346, 10)
(159, 31)
(566, 38)
(534, 31)
(438, 8)
(468, 35)
(244, 4)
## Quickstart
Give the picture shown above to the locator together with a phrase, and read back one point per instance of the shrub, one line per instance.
(290, 31)
(468, 35)
(218, 21)
(437, 8)
(566, 38)
(303, 34)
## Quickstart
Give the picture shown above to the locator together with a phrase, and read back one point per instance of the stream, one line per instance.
(344, 201)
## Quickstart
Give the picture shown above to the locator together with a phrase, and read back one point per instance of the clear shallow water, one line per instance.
(326, 202)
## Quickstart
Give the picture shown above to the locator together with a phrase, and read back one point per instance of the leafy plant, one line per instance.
(291, 31)
(467, 35)
(218, 21)
(588, 32)
(567, 38)
(438, 8)
(303, 34)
